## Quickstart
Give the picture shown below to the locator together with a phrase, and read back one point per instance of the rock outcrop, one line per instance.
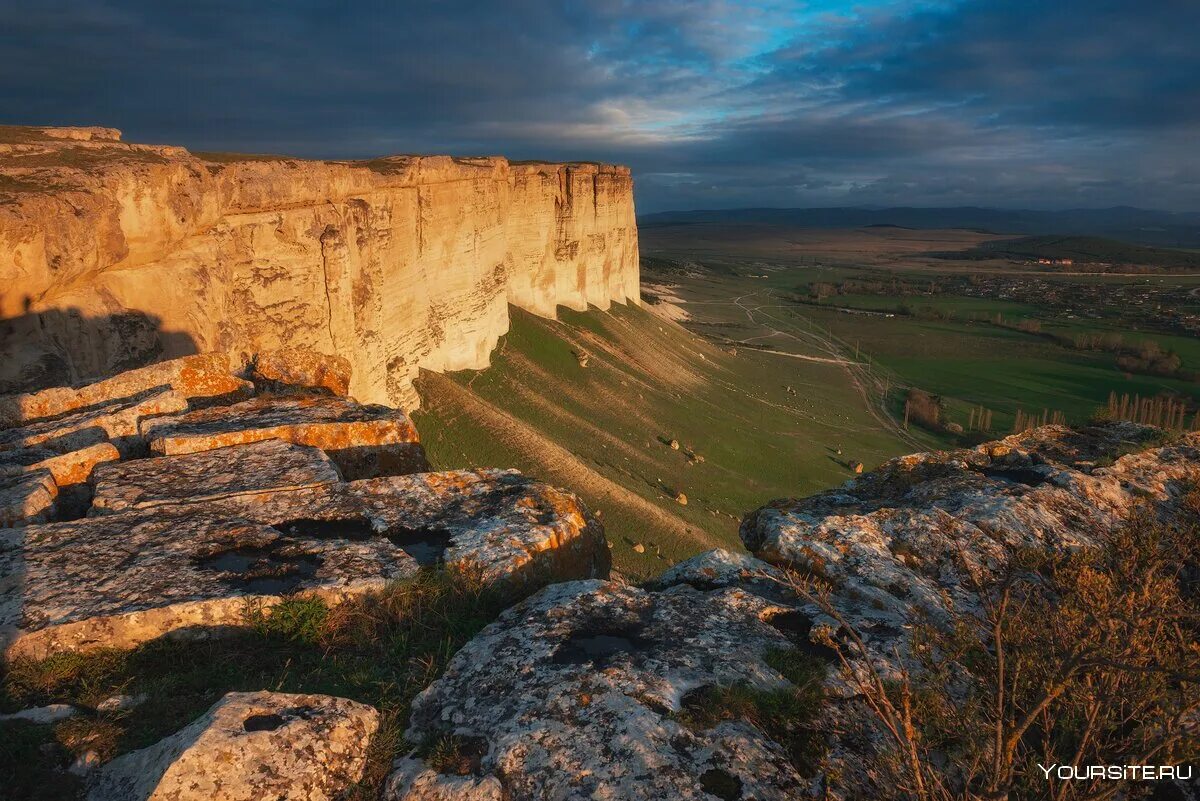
(913, 541)
(249, 506)
(364, 441)
(113, 255)
(583, 690)
(896, 543)
(257, 468)
(577, 693)
(198, 379)
(121, 580)
(250, 747)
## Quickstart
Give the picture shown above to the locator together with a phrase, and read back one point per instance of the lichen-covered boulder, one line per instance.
(237, 470)
(71, 474)
(201, 378)
(259, 746)
(720, 568)
(169, 563)
(911, 542)
(68, 469)
(896, 541)
(364, 441)
(575, 693)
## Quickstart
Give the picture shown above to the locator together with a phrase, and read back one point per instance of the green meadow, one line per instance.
(605, 430)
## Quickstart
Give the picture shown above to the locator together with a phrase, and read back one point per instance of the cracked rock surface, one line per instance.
(364, 441)
(497, 525)
(896, 540)
(184, 549)
(124, 579)
(202, 376)
(258, 467)
(900, 544)
(115, 421)
(26, 497)
(259, 746)
(574, 694)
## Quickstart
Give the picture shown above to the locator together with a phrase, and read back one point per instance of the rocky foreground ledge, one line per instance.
(166, 501)
(596, 690)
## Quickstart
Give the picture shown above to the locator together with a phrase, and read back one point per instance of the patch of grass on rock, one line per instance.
(785, 715)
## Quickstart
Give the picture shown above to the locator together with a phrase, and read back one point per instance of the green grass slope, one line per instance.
(604, 430)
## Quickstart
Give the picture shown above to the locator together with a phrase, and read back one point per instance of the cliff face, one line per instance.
(113, 255)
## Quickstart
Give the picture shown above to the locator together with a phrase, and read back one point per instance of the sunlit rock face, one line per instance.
(114, 255)
(172, 511)
(250, 747)
(579, 692)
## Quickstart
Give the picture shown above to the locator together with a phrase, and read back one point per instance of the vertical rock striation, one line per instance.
(114, 255)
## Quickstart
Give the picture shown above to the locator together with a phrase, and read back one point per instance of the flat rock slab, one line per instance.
(364, 441)
(499, 526)
(26, 497)
(574, 694)
(253, 469)
(116, 580)
(123, 579)
(116, 422)
(257, 746)
(73, 467)
(203, 376)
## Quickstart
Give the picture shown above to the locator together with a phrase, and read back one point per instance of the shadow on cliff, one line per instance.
(65, 346)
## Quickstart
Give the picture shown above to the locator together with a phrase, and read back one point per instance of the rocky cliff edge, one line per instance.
(114, 255)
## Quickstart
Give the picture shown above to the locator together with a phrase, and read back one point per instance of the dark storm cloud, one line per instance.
(720, 103)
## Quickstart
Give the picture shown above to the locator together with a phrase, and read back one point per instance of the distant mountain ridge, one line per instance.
(1127, 223)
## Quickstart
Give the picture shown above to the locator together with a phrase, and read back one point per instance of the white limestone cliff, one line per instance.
(113, 255)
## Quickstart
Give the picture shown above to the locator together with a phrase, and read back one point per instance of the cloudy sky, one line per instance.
(717, 103)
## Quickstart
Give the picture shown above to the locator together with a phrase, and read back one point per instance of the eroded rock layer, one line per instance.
(113, 255)
(899, 542)
(249, 504)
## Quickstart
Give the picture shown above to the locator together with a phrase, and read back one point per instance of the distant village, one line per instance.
(1147, 304)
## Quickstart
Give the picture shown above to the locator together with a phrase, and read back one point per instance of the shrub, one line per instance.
(923, 409)
(1083, 657)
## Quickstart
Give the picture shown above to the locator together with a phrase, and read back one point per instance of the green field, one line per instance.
(604, 430)
(924, 336)
(950, 306)
(998, 368)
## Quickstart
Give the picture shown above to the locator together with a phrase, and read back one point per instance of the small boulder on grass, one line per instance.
(249, 746)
